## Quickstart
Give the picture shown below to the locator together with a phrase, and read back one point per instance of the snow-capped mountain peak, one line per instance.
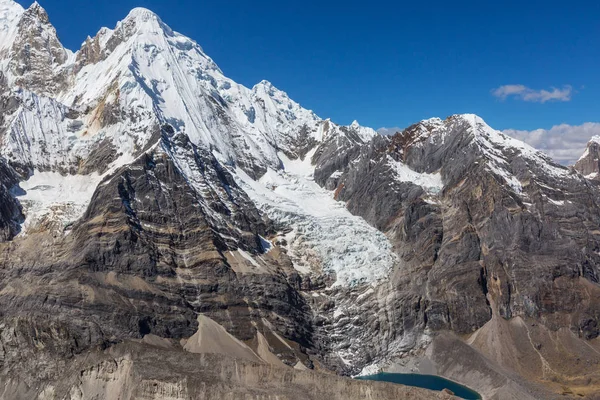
(595, 139)
(266, 84)
(143, 14)
(493, 148)
(143, 21)
(37, 9)
(33, 57)
(126, 84)
(143, 71)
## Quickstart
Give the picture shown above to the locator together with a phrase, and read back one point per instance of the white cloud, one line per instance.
(564, 143)
(539, 96)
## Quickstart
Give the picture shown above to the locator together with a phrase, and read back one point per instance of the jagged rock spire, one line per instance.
(589, 163)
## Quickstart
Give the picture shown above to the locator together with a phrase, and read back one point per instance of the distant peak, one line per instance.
(36, 7)
(389, 131)
(269, 88)
(437, 126)
(471, 118)
(38, 11)
(143, 20)
(355, 124)
(475, 121)
(141, 13)
(265, 83)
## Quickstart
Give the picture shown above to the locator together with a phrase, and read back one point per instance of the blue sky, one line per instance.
(390, 64)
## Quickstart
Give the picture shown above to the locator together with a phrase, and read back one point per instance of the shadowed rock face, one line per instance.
(148, 256)
(10, 209)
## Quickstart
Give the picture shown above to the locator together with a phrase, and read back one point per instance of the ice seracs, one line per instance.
(325, 237)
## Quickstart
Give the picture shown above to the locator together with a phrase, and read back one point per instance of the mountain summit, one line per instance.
(165, 231)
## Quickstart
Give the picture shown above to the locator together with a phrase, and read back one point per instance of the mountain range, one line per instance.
(167, 233)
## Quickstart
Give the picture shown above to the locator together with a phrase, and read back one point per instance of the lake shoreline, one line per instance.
(425, 381)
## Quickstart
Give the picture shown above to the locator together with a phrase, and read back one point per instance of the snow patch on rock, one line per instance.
(52, 197)
(430, 182)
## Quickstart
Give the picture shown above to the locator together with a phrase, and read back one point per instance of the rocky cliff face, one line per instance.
(502, 206)
(140, 188)
(589, 163)
(37, 59)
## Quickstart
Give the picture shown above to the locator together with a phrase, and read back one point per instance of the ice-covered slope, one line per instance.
(325, 238)
(10, 12)
(51, 198)
(40, 135)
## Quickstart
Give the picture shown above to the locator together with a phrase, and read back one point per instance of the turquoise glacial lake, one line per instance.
(430, 382)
